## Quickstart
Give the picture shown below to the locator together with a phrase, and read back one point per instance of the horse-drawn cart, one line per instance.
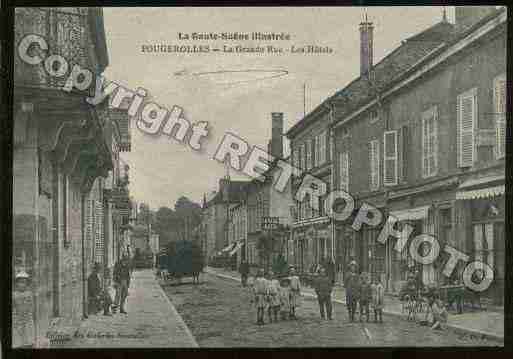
(180, 259)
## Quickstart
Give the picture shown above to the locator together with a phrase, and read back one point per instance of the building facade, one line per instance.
(216, 215)
(62, 158)
(311, 229)
(427, 146)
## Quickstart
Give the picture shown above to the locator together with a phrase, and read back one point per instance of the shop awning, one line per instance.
(235, 248)
(481, 193)
(484, 187)
(411, 214)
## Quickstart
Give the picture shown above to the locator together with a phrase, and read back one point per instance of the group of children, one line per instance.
(279, 296)
(360, 291)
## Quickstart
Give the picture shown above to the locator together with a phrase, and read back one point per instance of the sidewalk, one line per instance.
(484, 323)
(152, 321)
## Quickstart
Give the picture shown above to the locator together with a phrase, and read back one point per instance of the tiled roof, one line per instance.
(391, 68)
(360, 91)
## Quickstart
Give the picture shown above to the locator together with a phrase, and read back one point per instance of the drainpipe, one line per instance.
(84, 279)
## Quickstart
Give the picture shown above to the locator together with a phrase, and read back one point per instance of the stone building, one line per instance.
(215, 216)
(263, 201)
(421, 135)
(62, 156)
(310, 143)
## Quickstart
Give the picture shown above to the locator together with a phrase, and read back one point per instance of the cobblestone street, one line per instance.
(219, 314)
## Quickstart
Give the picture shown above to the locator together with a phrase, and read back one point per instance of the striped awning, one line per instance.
(481, 193)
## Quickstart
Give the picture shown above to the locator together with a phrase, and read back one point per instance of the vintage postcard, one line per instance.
(258, 177)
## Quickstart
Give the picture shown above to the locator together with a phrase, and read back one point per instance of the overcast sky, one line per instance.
(161, 169)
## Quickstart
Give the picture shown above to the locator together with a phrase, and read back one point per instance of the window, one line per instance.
(466, 111)
(446, 226)
(499, 103)
(429, 142)
(374, 116)
(390, 158)
(374, 164)
(303, 157)
(308, 155)
(344, 171)
(296, 162)
(65, 206)
(483, 243)
(322, 148)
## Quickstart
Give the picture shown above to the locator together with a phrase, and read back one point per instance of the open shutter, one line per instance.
(499, 99)
(429, 142)
(390, 158)
(374, 164)
(467, 112)
(344, 171)
(302, 157)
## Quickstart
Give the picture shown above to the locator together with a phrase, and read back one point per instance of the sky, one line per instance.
(163, 169)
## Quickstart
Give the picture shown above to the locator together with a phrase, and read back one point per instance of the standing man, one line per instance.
(122, 280)
(295, 292)
(352, 286)
(323, 289)
(244, 272)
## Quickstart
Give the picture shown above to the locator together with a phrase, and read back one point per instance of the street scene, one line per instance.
(231, 181)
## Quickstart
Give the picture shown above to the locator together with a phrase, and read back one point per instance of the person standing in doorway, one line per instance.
(122, 280)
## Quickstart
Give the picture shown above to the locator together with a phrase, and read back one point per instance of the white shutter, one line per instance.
(344, 171)
(322, 148)
(308, 154)
(300, 157)
(429, 143)
(296, 158)
(467, 113)
(374, 164)
(499, 100)
(390, 158)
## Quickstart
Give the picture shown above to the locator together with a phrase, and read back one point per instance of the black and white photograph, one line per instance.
(258, 177)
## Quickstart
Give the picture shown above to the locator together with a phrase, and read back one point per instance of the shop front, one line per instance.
(311, 243)
(483, 202)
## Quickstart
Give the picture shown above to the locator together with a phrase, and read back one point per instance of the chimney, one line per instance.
(277, 135)
(466, 16)
(366, 46)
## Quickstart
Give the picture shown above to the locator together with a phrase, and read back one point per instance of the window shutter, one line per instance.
(429, 143)
(322, 149)
(467, 110)
(344, 171)
(308, 154)
(390, 158)
(405, 154)
(374, 164)
(315, 152)
(301, 157)
(499, 99)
